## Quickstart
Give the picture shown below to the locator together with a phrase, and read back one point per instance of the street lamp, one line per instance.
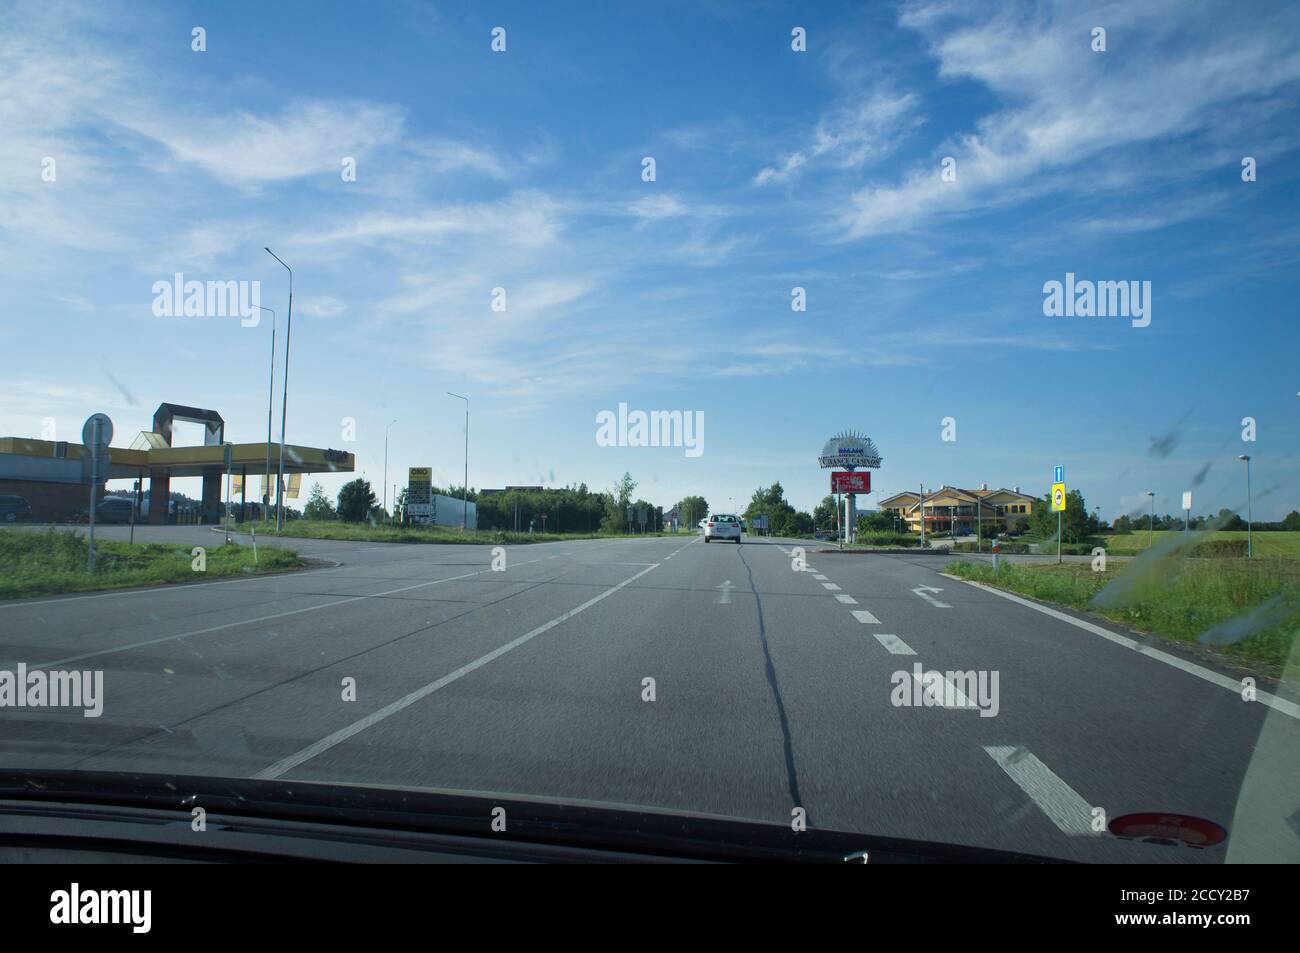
(464, 512)
(284, 406)
(1246, 457)
(270, 402)
(1151, 527)
(386, 429)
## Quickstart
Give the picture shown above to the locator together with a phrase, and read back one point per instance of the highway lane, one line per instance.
(772, 691)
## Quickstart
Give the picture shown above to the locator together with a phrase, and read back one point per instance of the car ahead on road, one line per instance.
(722, 526)
(14, 508)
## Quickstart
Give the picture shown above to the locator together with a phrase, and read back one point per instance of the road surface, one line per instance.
(774, 688)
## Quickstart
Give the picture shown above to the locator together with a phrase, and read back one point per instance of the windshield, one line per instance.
(355, 427)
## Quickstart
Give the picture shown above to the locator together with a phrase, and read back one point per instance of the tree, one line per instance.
(823, 513)
(318, 506)
(693, 509)
(770, 502)
(1076, 523)
(356, 500)
(875, 522)
(1292, 521)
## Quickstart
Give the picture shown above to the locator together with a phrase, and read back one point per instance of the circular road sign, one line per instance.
(1058, 497)
(105, 432)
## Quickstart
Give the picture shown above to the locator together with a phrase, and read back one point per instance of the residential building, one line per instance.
(951, 509)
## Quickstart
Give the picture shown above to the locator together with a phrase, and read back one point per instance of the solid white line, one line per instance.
(1060, 802)
(1233, 685)
(830, 585)
(847, 600)
(343, 734)
(895, 645)
(865, 617)
(265, 618)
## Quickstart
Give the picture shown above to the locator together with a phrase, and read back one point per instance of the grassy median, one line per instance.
(1248, 610)
(1263, 542)
(37, 563)
(383, 533)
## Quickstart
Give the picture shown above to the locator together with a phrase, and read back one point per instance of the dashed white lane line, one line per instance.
(1060, 802)
(894, 644)
(343, 734)
(953, 697)
(819, 577)
(865, 617)
(847, 600)
(1233, 685)
(830, 585)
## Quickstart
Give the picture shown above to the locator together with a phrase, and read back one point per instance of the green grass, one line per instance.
(1267, 543)
(1175, 598)
(54, 561)
(380, 533)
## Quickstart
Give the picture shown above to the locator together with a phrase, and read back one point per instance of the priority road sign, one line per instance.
(1058, 497)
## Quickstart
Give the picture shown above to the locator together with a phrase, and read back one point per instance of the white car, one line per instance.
(722, 526)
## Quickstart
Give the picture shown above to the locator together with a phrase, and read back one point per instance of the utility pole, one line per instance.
(921, 503)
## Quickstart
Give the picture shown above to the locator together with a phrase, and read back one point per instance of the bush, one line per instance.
(1219, 548)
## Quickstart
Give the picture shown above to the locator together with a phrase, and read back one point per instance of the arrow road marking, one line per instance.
(922, 590)
(724, 597)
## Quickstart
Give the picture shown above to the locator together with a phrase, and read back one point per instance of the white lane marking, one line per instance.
(961, 702)
(895, 645)
(343, 734)
(819, 577)
(264, 618)
(923, 591)
(865, 617)
(830, 585)
(1060, 802)
(724, 597)
(1272, 701)
(847, 600)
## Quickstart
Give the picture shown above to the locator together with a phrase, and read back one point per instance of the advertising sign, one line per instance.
(419, 493)
(856, 481)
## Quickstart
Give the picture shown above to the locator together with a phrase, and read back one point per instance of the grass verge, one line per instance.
(380, 533)
(1245, 610)
(1264, 542)
(54, 561)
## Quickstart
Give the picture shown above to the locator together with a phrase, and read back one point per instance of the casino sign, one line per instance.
(850, 450)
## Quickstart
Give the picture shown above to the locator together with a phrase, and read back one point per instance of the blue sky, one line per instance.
(775, 169)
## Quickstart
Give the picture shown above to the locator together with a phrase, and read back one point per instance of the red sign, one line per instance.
(1165, 828)
(851, 481)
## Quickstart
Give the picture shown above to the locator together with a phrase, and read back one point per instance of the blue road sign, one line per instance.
(1060, 475)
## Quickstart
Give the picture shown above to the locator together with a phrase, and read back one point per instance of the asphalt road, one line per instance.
(774, 689)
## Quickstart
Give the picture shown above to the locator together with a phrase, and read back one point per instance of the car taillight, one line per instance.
(709, 523)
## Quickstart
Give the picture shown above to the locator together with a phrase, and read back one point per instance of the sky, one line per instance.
(774, 169)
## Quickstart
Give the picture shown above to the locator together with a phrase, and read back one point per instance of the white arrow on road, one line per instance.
(724, 597)
(922, 590)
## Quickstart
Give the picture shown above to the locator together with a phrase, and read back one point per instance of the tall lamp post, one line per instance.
(284, 406)
(1151, 526)
(270, 403)
(464, 512)
(1249, 520)
(386, 429)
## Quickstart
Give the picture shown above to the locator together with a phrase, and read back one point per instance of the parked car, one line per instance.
(14, 508)
(722, 526)
(114, 509)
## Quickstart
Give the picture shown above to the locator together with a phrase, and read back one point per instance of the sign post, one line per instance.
(1187, 510)
(229, 448)
(96, 435)
(419, 494)
(1058, 504)
(850, 450)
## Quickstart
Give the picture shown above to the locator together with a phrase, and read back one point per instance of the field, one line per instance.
(54, 561)
(1248, 610)
(1264, 543)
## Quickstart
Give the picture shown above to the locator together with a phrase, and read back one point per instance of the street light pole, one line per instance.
(1249, 519)
(284, 406)
(464, 512)
(1151, 526)
(386, 429)
(270, 403)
